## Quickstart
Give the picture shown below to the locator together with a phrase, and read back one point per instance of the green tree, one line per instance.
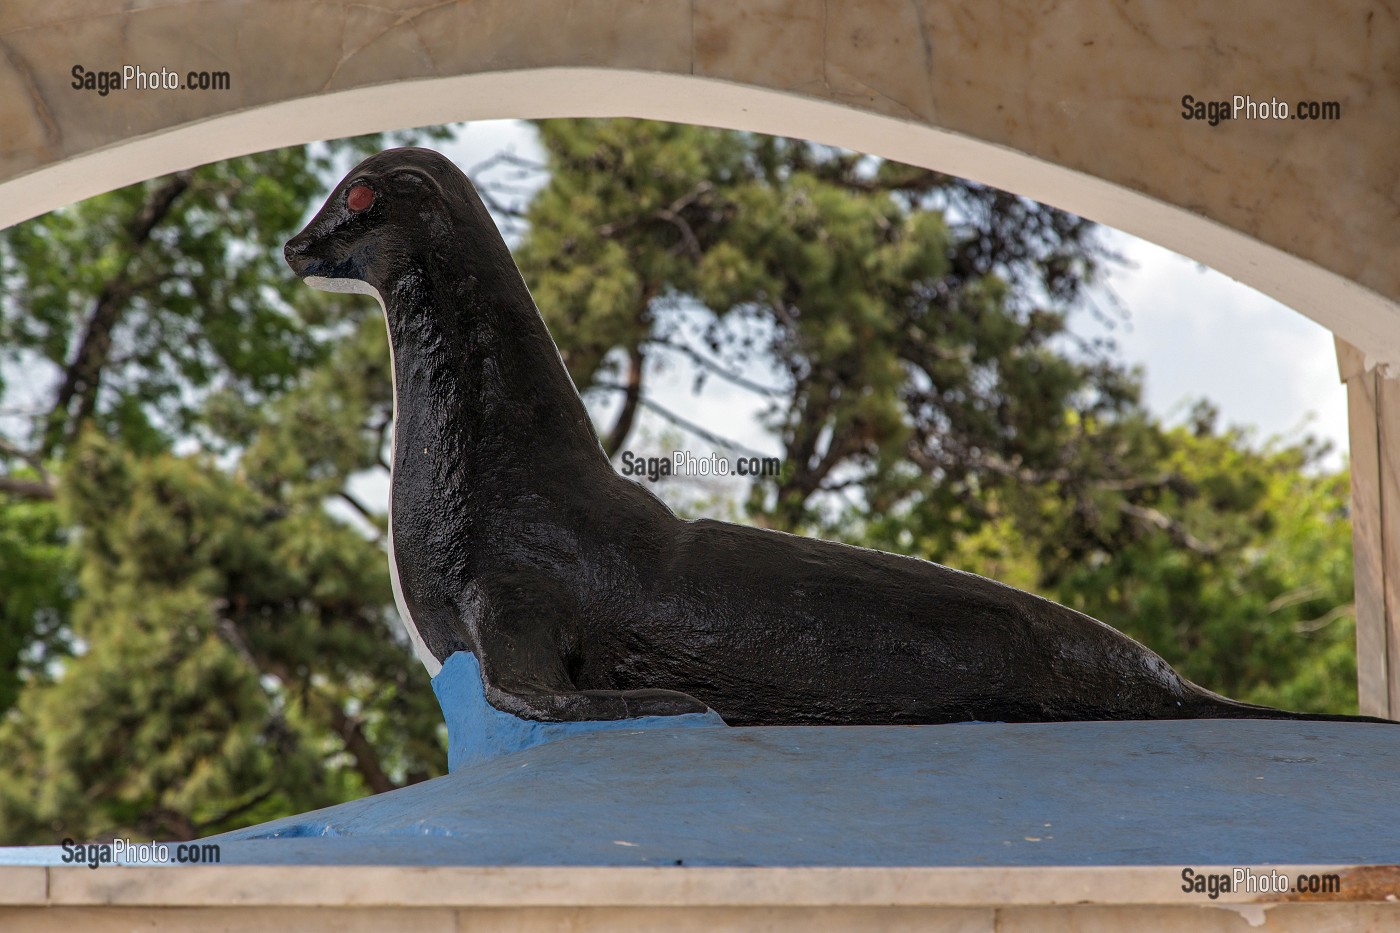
(124, 311)
(917, 321)
(233, 646)
(191, 641)
(37, 565)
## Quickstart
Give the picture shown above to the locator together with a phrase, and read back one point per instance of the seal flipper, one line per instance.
(524, 667)
(1205, 704)
(591, 705)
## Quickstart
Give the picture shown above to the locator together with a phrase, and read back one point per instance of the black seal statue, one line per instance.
(579, 592)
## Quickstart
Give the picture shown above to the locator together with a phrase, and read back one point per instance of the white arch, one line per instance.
(1359, 315)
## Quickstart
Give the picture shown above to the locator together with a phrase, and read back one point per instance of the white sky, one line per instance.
(1200, 333)
(1196, 332)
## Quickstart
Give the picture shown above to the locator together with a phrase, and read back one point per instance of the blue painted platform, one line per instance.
(1139, 793)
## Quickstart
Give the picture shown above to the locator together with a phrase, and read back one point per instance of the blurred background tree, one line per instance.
(194, 636)
(191, 641)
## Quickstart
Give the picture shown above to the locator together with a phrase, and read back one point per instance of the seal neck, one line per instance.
(478, 379)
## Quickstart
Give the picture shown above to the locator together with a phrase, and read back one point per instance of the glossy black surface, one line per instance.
(580, 592)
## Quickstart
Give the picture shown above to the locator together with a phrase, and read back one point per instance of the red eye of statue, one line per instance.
(359, 198)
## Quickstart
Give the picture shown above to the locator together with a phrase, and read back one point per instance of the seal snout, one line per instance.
(295, 254)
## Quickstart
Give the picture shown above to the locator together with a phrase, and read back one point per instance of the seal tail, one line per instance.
(1210, 705)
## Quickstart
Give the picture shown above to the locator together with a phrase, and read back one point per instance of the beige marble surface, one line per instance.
(1076, 103)
(589, 886)
(701, 899)
(1310, 919)
(23, 884)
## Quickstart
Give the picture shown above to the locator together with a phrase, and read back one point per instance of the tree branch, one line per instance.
(497, 206)
(32, 459)
(83, 376)
(685, 424)
(236, 810)
(1312, 625)
(381, 433)
(706, 363)
(26, 489)
(507, 157)
(632, 395)
(999, 467)
(1174, 529)
(671, 214)
(805, 482)
(364, 511)
(351, 731)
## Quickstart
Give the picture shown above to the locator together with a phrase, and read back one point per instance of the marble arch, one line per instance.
(1077, 104)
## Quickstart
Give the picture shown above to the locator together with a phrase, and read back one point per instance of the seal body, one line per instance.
(580, 593)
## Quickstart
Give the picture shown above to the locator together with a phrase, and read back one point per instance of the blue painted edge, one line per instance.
(477, 731)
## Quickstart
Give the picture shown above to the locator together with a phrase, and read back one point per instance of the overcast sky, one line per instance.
(1196, 332)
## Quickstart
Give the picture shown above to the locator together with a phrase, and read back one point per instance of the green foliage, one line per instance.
(223, 631)
(1263, 610)
(192, 641)
(234, 650)
(240, 657)
(37, 568)
(914, 316)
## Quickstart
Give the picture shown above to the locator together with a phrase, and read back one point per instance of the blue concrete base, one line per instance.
(478, 732)
(1138, 793)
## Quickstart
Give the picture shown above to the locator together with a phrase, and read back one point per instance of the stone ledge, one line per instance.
(248, 886)
(347, 899)
(1290, 919)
